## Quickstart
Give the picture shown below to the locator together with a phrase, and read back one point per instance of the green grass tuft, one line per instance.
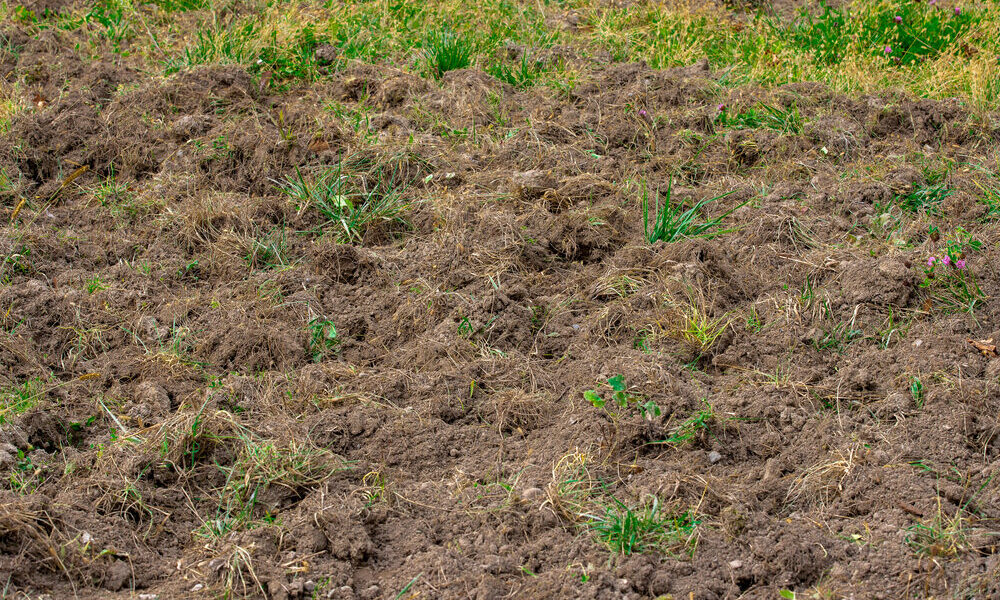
(626, 530)
(673, 222)
(520, 74)
(18, 399)
(445, 50)
(351, 204)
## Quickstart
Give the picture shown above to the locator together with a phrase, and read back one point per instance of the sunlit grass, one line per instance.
(958, 60)
(935, 52)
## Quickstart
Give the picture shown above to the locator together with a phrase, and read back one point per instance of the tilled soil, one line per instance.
(451, 452)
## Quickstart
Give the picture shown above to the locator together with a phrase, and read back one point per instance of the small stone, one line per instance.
(86, 538)
(532, 493)
(148, 326)
(917, 343)
(714, 457)
(454, 453)
(735, 564)
(117, 576)
(326, 54)
(530, 185)
(148, 597)
(309, 585)
(191, 126)
(197, 587)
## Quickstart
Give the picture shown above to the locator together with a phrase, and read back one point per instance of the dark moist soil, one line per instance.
(451, 422)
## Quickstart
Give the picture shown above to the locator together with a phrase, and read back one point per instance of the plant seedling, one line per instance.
(917, 391)
(648, 409)
(323, 338)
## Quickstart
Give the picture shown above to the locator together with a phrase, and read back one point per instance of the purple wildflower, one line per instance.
(930, 261)
(899, 19)
(958, 11)
(960, 264)
(642, 112)
(932, 2)
(888, 49)
(721, 107)
(946, 260)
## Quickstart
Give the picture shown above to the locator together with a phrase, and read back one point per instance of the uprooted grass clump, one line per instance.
(261, 467)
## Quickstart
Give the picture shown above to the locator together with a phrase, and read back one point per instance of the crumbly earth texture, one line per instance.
(388, 330)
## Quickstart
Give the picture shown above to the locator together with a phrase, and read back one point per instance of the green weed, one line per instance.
(626, 530)
(323, 339)
(908, 33)
(754, 323)
(931, 51)
(950, 281)
(24, 475)
(171, 6)
(351, 205)
(890, 329)
(787, 120)
(94, 284)
(925, 198)
(15, 263)
(990, 189)
(836, 337)
(358, 117)
(691, 427)
(268, 251)
(19, 398)
(258, 467)
(112, 15)
(177, 346)
(521, 74)
(942, 535)
(269, 48)
(824, 36)
(620, 396)
(696, 328)
(119, 198)
(917, 391)
(673, 223)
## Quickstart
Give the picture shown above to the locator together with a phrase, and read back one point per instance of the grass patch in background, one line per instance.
(927, 49)
(933, 51)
